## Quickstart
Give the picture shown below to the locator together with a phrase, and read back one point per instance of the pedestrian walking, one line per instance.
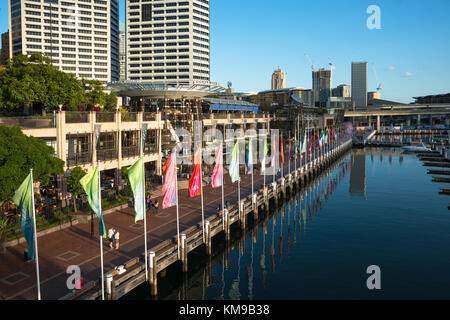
(116, 237)
(155, 205)
(149, 203)
(111, 233)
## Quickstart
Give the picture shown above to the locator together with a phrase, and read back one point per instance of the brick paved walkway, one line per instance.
(74, 245)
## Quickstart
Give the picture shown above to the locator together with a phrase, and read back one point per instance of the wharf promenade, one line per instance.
(74, 246)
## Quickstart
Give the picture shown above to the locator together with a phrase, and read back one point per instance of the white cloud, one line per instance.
(391, 68)
(408, 74)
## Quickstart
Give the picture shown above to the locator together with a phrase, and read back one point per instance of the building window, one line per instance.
(146, 12)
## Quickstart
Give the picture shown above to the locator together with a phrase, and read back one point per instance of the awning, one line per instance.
(232, 107)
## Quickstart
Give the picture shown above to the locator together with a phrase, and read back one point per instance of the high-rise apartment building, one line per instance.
(359, 84)
(4, 53)
(278, 79)
(122, 51)
(321, 87)
(168, 41)
(80, 36)
(341, 91)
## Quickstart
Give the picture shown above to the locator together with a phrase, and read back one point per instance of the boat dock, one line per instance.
(121, 280)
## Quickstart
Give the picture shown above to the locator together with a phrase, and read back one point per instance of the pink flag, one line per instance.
(273, 152)
(216, 179)
(169, 188)
(195, 183)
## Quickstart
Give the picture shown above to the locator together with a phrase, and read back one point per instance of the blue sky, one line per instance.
(251, 38)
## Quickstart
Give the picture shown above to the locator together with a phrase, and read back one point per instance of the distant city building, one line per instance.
(4, 53)
(278, 79)
(168, 41)
(341, 91)
(438, 98)
(321, 86)
(80, 37)
(280, 97)
(359, 84)
(373, 95)
(122, 51)
(339, 102)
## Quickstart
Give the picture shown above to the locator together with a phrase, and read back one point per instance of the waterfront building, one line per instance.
(4, 53)
(168, 41)
(373, 95)
(341, 91)
(280, 97)
(278, 79)
(80, 37)
(321, 86)
(339, 102)
(438, 98)
(359, 84)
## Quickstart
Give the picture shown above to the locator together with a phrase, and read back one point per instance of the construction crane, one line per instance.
(312, 63)
(376, 78)
(331, 65)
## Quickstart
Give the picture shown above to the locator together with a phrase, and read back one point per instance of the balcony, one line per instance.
(77, 117)
(30, 122)
(105, 117)
(129, 116)
(129, 152)
(76, 159)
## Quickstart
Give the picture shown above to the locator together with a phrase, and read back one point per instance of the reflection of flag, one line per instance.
(249, 157)
(23, 198)
(91, 185)
(282, 150)
(290, 149)
(234, 164)
(136, 176)
(304, 144)
(216, 179)
(195, 183)
(169, 188)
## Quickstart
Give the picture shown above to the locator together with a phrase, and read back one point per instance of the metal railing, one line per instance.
(110, 154)
(149, 116)
(128, 152)
(150, 148)
(105, 117)
(75, 159)
(77, 117)
(29, 122)
(129, 116)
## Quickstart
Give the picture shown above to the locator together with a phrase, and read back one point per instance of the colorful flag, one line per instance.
(265, 152)
(195, 183)
(290, 148)
(169, 188)
(91, 185)
(217, 175)
(282, 150)
(272, 164)
(249, 157)
(304, 144)
(136, 176)
(23, 198)
(234, 165)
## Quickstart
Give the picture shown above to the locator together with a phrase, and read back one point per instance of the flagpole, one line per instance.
(289, 160)
(201, 193)
(100, 235)
(35, 239)
(223, 201)
(145, 212)
(178, 217)
(249, 146)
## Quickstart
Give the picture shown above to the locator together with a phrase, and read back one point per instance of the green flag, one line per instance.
(91, 185)
(265, 152)
(136, 175)
(23, 198)
(234, 165)
(304, 144)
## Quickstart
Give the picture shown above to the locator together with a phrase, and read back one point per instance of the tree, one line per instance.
(94, 94)
(20, 153)
(3, 227)
(29, 80)
(73, 182)
(111, 102)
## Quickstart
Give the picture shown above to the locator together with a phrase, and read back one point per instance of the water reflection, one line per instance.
(358, 175)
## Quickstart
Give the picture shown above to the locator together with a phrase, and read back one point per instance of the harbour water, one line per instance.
(374, 207)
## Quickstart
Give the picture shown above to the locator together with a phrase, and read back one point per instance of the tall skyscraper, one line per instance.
(278, 79)
(122, 51)
(80, 36)
(359, 84)
(4, 53)
(321, 87)
(168, 41)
